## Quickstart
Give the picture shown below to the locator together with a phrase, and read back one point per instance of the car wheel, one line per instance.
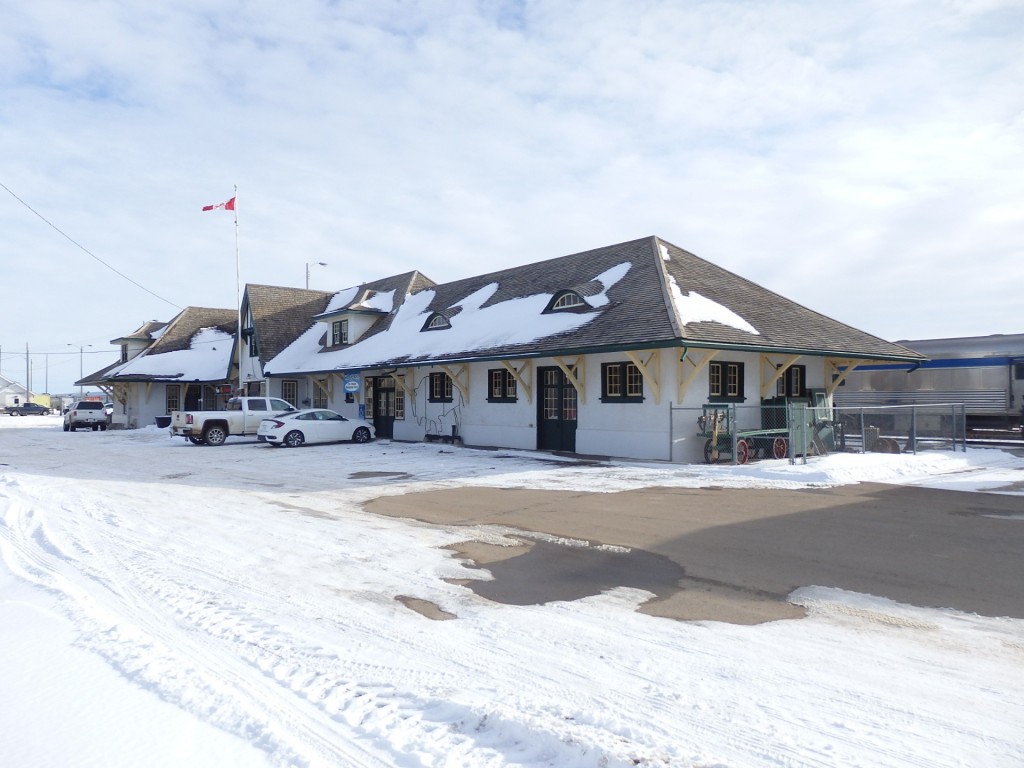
(67, 428)
(361, 435)
(294, 439)
(195, 440)
(103, 427)
(72, 428)
(214, 435)
(95, 427)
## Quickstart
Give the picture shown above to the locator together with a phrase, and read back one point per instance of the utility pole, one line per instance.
(321, 263)
(81, 372)
(28, 377)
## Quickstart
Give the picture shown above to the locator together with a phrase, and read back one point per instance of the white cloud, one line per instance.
(860, 159)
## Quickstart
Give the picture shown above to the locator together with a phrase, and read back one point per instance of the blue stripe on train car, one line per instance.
(946, 362)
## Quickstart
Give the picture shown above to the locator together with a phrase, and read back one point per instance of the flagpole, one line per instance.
(238, 296)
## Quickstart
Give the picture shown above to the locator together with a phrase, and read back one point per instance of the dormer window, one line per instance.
(567, 301)
(339, 333)
(437, 322)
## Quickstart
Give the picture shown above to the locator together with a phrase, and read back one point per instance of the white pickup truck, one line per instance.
(242, 417)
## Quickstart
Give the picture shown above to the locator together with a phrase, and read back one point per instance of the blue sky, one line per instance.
(865, 159)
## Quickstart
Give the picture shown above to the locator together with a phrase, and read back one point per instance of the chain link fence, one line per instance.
(798, 428)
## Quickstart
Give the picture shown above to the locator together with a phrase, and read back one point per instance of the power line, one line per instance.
(86, 250)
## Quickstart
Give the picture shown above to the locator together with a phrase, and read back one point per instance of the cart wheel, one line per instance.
(742, 451)
(779, 448)
(710, 452)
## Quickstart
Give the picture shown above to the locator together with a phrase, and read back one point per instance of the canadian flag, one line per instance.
(228, 206)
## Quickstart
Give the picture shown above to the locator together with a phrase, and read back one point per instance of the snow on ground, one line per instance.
(164, 604)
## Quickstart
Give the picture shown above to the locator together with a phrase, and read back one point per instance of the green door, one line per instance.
(557, 410)
(384, 407)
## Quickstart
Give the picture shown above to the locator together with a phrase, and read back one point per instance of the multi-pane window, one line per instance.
(621, 383)
(568, 301)
(320, 394)
(501, 386)
(436, 322)
(290, 391)
(124, 353)
(399, 398)
(173, 393)
(551, 403)
(793, 382)
(339, 333)
(725, 381)
(440, 388)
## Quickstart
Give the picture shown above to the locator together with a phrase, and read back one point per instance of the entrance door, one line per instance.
(556, 417)
(384, 407)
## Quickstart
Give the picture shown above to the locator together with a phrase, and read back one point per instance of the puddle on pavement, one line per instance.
(547, 572)
(536, 572)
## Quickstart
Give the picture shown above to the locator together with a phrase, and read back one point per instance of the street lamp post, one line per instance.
(308, 263)
(81, 371)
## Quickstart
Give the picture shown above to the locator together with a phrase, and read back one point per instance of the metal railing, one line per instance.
(735, 433)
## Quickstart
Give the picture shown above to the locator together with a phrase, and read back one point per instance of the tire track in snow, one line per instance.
(129, 610)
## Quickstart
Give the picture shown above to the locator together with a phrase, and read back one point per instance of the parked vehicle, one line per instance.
(985, 373)
(27, 409)
(85, 413)
(242, 417)
(313, 425)
(108, 408)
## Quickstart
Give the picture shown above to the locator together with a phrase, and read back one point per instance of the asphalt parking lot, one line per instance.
(735, 555)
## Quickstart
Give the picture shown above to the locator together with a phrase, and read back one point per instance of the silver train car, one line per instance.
(985, 373)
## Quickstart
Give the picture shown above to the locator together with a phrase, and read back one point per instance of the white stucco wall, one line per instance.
(665, 429)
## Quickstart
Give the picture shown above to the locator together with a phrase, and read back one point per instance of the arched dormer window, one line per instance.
(567, 301)
(436, 322)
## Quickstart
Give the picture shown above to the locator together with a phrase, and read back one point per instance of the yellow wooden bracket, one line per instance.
(403, 380)
(523, 376)
(686, 376)
(651, 373)
(326, 386)
(775, 372)
(460, 379)
(576, 373)
(839, 369)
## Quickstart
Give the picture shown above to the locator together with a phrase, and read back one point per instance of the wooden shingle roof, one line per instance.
(179, 332)
(640, 311)
(782, 324)
(280, 315)
(144, 333)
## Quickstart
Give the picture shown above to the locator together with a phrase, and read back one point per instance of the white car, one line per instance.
(313, 425)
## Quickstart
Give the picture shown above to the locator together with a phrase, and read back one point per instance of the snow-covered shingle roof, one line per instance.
(197, 345)
(644, 293)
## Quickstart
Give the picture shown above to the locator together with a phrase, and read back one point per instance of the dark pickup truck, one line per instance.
(27, 409)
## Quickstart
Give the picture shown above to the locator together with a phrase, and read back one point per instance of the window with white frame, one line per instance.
(399, 398)
(320, 393)
(290, 391)
(621, 383)
(172, 394)
(793, 383)
(339, 332)
(440, 388)
(725, 381)
(501, 386)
